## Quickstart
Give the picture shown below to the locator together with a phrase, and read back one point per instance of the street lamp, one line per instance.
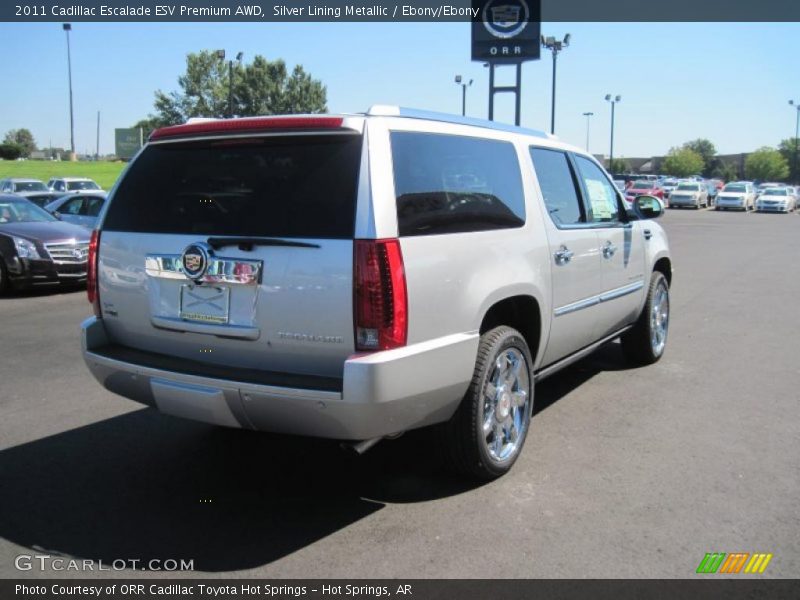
(221, 56)
(588, 116)
(796, 132)
(464, 87)
(67, 27)
(555, 46)
(613, 101)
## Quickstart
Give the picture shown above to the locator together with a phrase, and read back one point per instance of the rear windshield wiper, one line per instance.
(247, 243)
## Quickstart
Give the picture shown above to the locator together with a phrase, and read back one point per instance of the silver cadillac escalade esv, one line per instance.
(354, 277)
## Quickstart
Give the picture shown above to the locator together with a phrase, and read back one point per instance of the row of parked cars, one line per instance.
(45, 229)
(699, 193)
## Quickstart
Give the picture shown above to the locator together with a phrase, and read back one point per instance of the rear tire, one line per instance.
(644, 344)
(4, 283)
(485, 436)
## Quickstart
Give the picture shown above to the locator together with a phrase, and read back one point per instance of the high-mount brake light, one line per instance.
(245, 125)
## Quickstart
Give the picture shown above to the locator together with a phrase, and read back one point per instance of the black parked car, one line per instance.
(36, 248)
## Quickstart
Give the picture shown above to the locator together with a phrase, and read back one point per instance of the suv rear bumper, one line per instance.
(382, 393)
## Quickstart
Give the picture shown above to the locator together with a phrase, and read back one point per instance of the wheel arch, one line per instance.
(523, 312)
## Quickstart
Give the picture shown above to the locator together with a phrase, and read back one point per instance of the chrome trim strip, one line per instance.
(237, 271)
(568, 360)
(594, 300)
(231, 331)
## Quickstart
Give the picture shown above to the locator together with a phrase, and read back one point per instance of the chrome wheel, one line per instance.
(659, 319)
(506, 405)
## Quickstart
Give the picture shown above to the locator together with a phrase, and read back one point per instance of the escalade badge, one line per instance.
(195, 261)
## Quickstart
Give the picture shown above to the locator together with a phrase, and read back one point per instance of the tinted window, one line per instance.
(72, 207)
(92, 206)
(287, 186)
(601, 194)
(558, 186)
(82, 185)
(448, 184)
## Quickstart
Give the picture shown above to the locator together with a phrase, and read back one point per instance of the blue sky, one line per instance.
(729, 82)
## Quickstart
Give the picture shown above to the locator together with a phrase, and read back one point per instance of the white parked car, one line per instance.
(737, 194)
(73, 184)
(689, 194)
(776, 199)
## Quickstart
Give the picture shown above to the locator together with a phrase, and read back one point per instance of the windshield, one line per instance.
(23, 212)
(689, 187)
(82, 185)
(775, 192)
(642, 185)
(30, 186)
(735, 187)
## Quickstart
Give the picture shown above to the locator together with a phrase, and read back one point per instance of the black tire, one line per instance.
(4, 283)
(638, 343)
(465, 446)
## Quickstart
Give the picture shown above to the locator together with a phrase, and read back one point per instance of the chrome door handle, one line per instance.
(648, 234)
(563, 255)
(609, 250)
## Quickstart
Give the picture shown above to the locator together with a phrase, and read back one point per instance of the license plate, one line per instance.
(206, 304)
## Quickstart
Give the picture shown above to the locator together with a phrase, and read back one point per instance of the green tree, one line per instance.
(23, 138)
(788, 148)
(766, 164)
(682, 162)
(707, 152)
(618, 165)
(10, 151)
(260, 88)
(726, 171)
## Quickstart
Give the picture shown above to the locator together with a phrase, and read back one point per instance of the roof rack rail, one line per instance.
(382, 110)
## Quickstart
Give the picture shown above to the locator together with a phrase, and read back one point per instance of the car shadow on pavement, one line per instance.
(145, 486)
(44, 290)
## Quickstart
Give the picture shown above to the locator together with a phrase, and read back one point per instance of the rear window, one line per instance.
(451, 184)
(282, 186)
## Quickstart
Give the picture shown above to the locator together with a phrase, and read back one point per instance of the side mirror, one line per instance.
(57, 215)
(648, 207)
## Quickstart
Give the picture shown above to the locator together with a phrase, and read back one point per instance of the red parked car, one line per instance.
(643, 188)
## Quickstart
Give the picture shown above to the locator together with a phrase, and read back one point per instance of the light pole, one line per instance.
(613, 101)
(796, 133)
(67, 27)
(221, 56)
(464, 87)
(588, 116)
(555, 46)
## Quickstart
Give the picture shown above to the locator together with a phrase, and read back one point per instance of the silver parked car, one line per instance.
(776, 199)
(30, 189)
(354, 277)
(738, 194)
(688, 193)
(81, 208)
(73, 184)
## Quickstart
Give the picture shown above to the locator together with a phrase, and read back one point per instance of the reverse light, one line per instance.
(92, 290)
(381, 302)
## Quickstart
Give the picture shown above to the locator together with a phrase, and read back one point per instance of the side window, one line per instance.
(73, 207)
(451, 184)
(601, 195)
(92, 206)
(60, 186)
(558, 186)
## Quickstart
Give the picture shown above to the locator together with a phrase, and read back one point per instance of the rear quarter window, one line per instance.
(452, 184)
(278, 186)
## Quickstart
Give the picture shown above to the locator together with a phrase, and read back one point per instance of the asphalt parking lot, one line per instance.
(626, 473)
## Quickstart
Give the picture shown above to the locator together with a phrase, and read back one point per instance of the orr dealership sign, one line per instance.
(506, 30)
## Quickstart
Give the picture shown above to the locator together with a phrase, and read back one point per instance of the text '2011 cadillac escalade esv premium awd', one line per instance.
(354, 277)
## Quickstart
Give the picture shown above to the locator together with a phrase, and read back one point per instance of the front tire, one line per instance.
(485, 436)
(644, 344)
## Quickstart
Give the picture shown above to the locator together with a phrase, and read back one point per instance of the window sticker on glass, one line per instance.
(602, 204)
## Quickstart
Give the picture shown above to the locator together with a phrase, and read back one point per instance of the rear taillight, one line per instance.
(381, 304)
(92, 290)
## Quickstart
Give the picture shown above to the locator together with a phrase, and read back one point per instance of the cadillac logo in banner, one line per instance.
(506, 30)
